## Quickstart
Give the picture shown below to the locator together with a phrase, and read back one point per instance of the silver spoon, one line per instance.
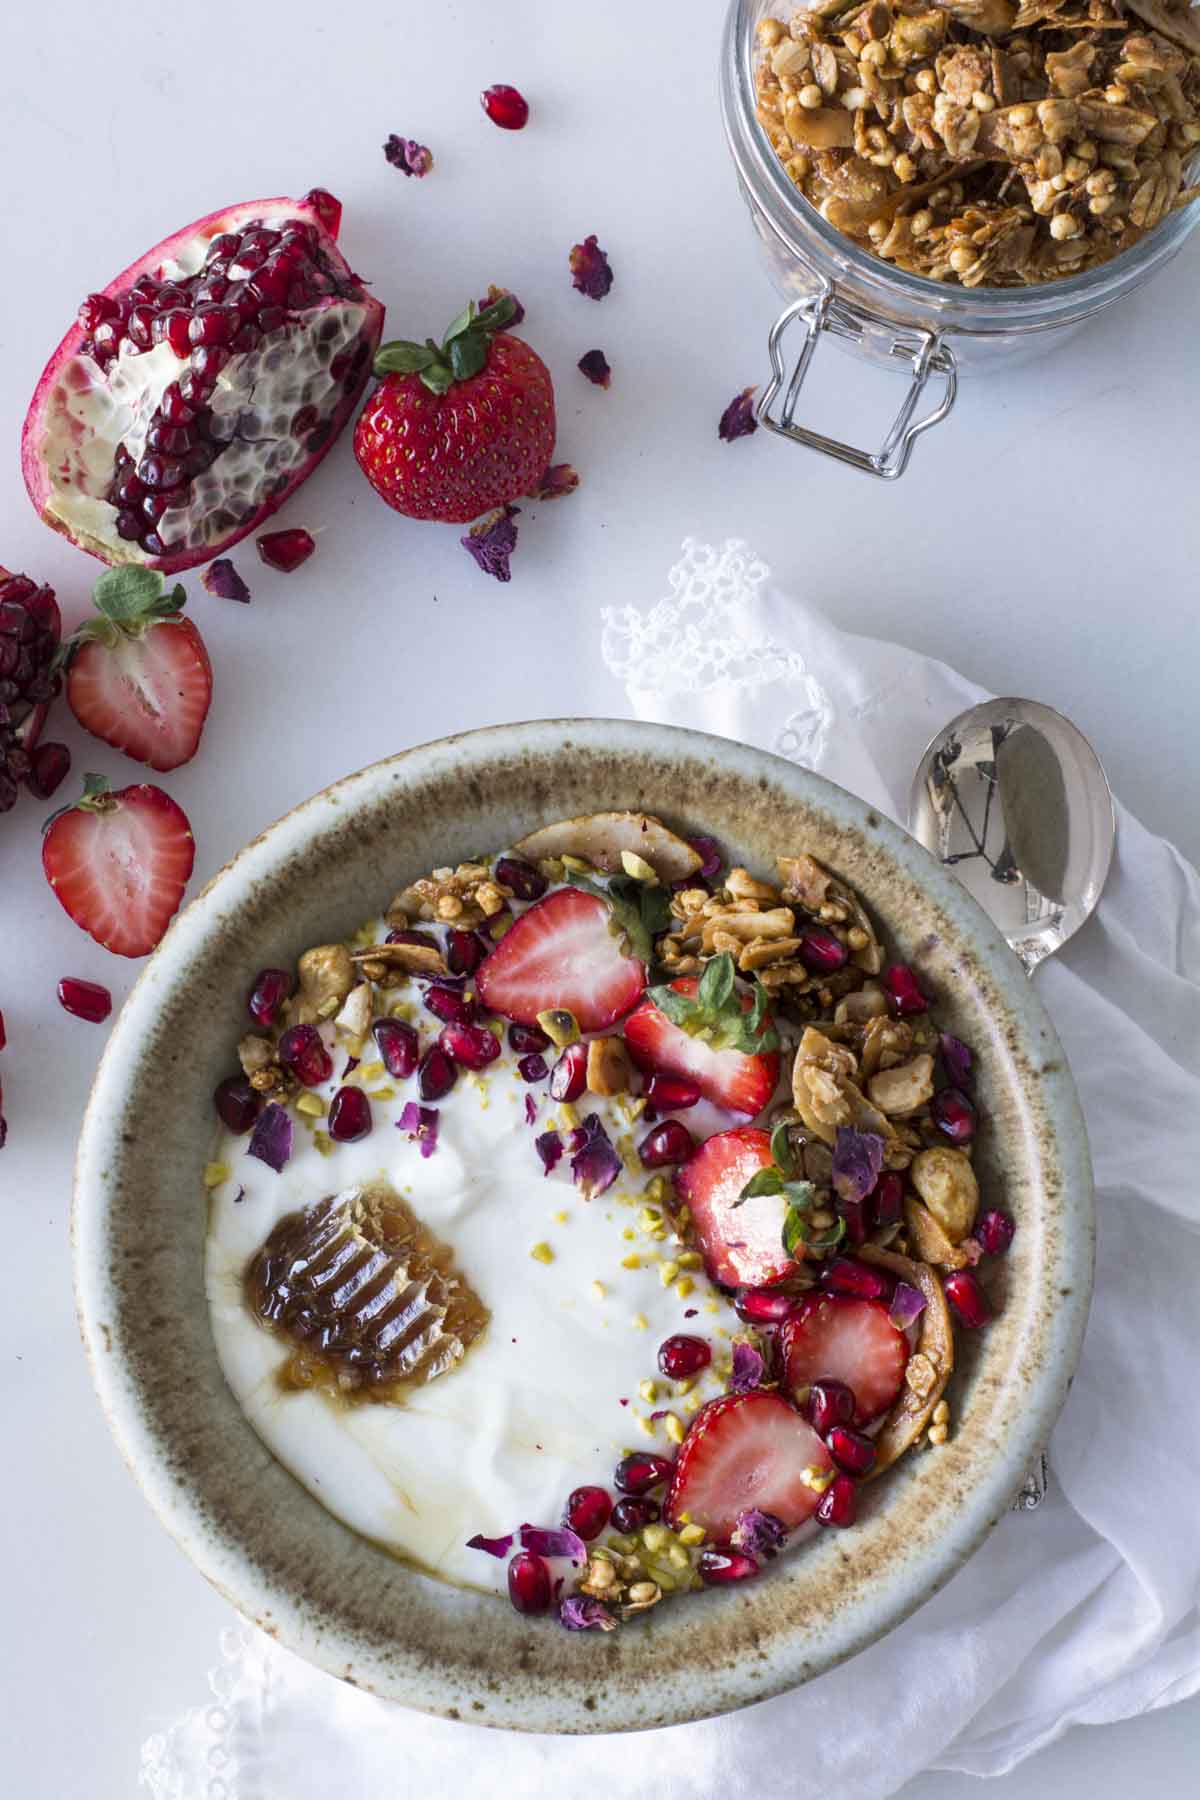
(1012, 797)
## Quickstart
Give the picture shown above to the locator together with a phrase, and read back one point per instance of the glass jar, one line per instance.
(931, 329)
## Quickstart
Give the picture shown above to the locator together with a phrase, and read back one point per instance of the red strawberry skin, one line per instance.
(742, 1245)
(120, 871)
(840, 1339)
(741, 1084)
(148, 696)
(456, 455)
(742, 1451)
(561, 953)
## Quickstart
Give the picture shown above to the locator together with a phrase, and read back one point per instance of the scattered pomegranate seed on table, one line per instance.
(505, 106)
(49, 766)
(85, 999)
(286, 550)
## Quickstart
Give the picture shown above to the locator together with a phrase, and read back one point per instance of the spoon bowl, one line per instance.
(1012, 797)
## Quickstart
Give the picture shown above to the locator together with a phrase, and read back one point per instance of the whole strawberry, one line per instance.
(455, 430)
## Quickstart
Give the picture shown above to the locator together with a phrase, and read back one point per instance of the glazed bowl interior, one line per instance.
(139, 1227)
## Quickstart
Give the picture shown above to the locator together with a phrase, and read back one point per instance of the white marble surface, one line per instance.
(1045, 540)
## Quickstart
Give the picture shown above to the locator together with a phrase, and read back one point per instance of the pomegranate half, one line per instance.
(202, 385)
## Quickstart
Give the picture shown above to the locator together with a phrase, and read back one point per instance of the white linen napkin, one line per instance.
(1083, 1611)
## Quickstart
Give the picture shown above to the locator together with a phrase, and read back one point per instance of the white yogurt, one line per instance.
(548, 1397)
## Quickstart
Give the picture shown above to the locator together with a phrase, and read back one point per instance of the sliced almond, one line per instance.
(935, 1342)
(600, 839)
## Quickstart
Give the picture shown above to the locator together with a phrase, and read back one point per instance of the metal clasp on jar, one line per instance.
(925, 352)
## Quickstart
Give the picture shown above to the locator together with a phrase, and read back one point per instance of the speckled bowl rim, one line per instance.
(734, 1647)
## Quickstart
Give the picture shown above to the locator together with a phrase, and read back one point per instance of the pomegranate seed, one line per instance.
(670, 1142)
(173, 407)
(630, 1515)
(237, 1104)
(843, 1275)
(95, 309)
(505, 107)
(271, 988)
(759, 1306)
(447, 1004)
(671, 1093)
(954, 1115)
(86, 999)
(49, 765)
(303, 1054)
(852, 1451)
(533, 1067)
(839, 1502)
(399, 1046)
(208, 360)
(681, 1356)
(827, 1405)
(141, 326)
(901, 987)
(162, 473)
(568, 1077)
(464, 952)
(967, 1298)
(587, 1511)
(853, 1213)
(529, 1583)
(821, 952)
(436, 1074)
(286, 550)
(719, 1567)
(349, 1115)
(471, 1046)
(887, 1198)
(526, 882)
(638, 1473)
(994, 1232)
(527, 1039)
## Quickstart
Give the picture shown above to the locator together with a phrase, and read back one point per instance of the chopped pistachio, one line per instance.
(632, 1261)
(215, 1173)
(323, 1142)
(560, 1026)
(646, 1426)
(542, 1253)
(578, 865)
(689, 1259)
(674, 1428)
(640, 1322)
(668, 1273)
(312, 1104)
(655, 1538)
(684, 1286)
(678, 1557)
(624, 1546)
(691, 1534)
(597, 1290)
(381, 1093)
(648, 1391)
(638, 867)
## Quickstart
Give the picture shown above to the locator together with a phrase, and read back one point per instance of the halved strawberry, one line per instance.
(119, 863)
(739, 1082)
(742, 1451)
(838, 1339)
(139, 676)
(562, 953)
(742, 1244)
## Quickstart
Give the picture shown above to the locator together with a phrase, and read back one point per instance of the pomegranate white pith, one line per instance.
(201, 386)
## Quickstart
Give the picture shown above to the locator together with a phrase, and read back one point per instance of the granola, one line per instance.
(986, 142)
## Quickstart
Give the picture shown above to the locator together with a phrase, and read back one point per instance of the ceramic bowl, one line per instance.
(139, 1225)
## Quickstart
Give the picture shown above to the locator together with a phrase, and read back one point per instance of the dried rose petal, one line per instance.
(559, 480)
(710, 851)
(562, 1542)
(530, 1110)
(492, 540)
(758, 1533)
(957, 1059)
(738, 419)
(908, 1303)
(748, 1368)
(579, 1612)
(596, 1166)
(408, 156)
(857, 1163)
(590, 271)
(550, 1148)
(498, 1547)
(223, 582)
(495, 293)
(595, 366)
(421, 1123)
(271, 1139)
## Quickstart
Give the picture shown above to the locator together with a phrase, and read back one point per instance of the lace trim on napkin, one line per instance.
(203, 1741)
(705, 634)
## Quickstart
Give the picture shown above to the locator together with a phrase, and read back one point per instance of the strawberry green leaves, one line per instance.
(716, 1013)
(462, 353)
(129, 599)
(782, 1176)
